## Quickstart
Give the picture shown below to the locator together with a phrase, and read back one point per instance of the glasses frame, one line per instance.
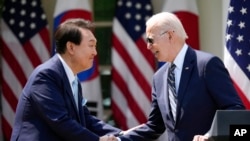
(151, 40)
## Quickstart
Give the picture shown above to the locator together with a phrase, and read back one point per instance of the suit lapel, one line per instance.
(68, 89)
(186, 74)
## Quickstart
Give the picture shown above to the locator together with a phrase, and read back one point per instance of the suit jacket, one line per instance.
(46, 109)
(205, 87)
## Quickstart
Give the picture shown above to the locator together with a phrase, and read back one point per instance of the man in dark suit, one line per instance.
(50, 108)
(186, 96)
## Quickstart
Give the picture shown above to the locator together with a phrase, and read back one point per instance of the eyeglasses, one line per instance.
(151, 40)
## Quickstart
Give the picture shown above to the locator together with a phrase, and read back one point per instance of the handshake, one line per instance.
(108, 138)
(113, 138)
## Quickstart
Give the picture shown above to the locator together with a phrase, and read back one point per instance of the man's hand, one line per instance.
(108, 138)
(200, 138)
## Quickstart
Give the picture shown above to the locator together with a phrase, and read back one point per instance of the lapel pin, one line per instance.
(186, 68)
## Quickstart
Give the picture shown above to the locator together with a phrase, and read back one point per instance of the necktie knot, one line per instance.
(172, 67)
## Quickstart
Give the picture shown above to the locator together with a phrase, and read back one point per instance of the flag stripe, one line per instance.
(9, 96)
(25, 44)
(7, 129)
(133, 87)
(135, 72)
(147, 55)
(136, 56)
(16, 49)
(132, 63)
(14, 65)
(132, 103)
(237, 49)
(9, 77)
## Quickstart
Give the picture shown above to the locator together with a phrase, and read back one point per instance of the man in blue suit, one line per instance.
(185, 97)
(49, 108)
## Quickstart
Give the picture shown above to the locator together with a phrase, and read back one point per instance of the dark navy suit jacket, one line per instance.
(205, 87)
(46, 109)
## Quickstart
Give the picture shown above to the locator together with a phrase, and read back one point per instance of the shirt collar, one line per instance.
(179, 60)
(67, 69)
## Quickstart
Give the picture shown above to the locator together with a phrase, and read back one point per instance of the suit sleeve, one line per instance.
(51, 101)
(220, 85)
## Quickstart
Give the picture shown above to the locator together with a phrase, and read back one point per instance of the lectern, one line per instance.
(220, 129)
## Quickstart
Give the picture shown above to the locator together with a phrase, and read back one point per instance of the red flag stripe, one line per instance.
(133, 68)
(32, 54)
(121, 84)
(14, 65)
(9, 96)
(7, 129)
(119, 115)
(142, 46)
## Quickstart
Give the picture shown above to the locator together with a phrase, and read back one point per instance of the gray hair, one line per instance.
(167, 21)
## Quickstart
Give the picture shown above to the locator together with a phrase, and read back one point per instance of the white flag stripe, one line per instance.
(7, 112)
(10, 77)
(66, 5)
(40, 47)
(237, 74)
(17, 49)
(118, 97)
(185, 5)
(90, 90)
(134, 88)
(132, 49)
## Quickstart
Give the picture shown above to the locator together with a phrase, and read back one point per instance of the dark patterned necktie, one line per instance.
(172, 90)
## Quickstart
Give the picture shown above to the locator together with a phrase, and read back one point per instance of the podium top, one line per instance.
(224, 118)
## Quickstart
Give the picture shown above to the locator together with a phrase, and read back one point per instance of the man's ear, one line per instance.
(70, 47)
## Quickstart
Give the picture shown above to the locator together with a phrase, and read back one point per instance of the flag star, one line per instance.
(129, 4)
(243, 11)
(23, 2)
(231, 9)
(229, 23)
(12, 21)
(138, 5)
(21, 23)
(119, 3)
(148, 7)
(248, 67)
(32, 25)
(127, 15)
(241, 24)
(137, 28)
(32, 14)
(137, 16)
(43, 16)
(21, 34)
(34, 3)
(12, 10)
(240, 38)
(23, 12)
(228, 37)
(238, 52)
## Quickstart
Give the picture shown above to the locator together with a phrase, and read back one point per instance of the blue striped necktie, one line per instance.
(75, 91)
(172, 90)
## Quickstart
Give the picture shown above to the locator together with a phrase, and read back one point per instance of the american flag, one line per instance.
(25, 44)
(132, 64)
(90, 79)
(237, 50)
